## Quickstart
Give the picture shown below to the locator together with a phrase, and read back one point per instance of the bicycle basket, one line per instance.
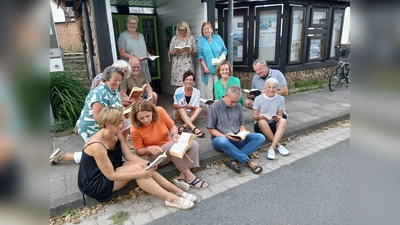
(341, 53)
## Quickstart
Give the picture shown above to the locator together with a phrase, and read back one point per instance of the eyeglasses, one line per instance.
(130, 23)
(182, 30)
(135, 67)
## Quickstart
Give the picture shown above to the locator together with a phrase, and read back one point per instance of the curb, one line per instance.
(206, 158)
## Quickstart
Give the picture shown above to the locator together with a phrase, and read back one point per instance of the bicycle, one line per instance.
(341, 73)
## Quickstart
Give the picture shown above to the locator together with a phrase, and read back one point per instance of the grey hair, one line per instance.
(123, 64)
(271, 80)
(261, 61)
(132, 17)
(233, 90)
(108, 71)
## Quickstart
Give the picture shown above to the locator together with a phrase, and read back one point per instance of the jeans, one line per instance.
(239, 150)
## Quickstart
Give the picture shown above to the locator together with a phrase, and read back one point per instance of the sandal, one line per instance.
(198, 133)
(233, 165)
(196, 181)
(256, 169)
(55, 156)
(181, 129)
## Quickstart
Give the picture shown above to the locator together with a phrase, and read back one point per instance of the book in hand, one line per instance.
(157, 161)
(241, 135)
(128, 109)
(179, 148)
(207, 101)
(137, 92)
(152, 57)
(216, 61)
(269, 118)
(253, 91)
(181, 48)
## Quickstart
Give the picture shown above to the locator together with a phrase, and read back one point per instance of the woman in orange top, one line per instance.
(152, 130)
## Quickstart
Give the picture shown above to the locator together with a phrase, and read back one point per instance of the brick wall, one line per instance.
(68, 37)
(300, 75)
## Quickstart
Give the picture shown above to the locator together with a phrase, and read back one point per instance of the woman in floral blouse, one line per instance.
(182, 58)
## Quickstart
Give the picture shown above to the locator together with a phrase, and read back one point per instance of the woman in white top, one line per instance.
(187, 104)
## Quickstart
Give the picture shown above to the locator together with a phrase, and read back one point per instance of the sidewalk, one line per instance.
(307, 112)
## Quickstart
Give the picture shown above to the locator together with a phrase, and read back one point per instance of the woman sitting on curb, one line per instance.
(103, 171)
(187, 104)
(152, 130)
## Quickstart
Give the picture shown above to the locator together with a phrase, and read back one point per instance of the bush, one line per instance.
(67, 96)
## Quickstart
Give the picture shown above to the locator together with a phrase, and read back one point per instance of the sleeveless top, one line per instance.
(91, 181)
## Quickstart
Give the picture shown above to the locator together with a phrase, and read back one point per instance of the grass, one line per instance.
(119, 218)
(303, 86)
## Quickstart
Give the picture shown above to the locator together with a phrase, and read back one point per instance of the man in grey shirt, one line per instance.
(225, 117)
(263, 72)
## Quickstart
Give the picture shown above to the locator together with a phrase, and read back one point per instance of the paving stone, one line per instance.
(142, 218)
(159, 211)
(218, 188)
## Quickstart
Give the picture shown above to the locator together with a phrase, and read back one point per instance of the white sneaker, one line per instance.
(183, 204)
(188, 196)
(282, 150)
(271, 153)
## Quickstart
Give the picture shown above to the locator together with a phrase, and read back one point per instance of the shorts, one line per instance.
(272, 125)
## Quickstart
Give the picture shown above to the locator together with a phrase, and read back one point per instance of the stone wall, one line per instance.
(68, 37)
(300, 75)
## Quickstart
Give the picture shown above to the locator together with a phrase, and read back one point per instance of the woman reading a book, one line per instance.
(210, 46)
(187, 104)
(103, 171)
(182, 49)
(224, 71)
(265, 106)
(132, 43)
(105, 94)
(154, 132)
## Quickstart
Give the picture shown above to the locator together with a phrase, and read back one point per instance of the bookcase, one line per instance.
(148, 27)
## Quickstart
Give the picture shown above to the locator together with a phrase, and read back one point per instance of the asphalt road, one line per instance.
(311, 190)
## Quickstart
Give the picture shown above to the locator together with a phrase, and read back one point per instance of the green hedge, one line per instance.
(67, 97)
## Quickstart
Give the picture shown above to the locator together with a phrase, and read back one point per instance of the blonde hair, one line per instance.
(184, 25)
(109, 115)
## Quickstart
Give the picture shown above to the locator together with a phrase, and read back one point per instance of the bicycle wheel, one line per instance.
(335, 78)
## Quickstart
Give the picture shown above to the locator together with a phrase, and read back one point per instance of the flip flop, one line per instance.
(233, 167)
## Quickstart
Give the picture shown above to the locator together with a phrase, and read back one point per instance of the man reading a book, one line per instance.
(226, 118)
(263, 72)
(136, 79)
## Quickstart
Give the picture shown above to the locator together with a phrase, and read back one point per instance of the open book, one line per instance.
(207, 101)
(152, 57)
(157, 161)
(181, 48)
(179, 148)
(269, 118)
(253, 91)
(137, 92)
(216, 61)
(241, 135)
(128, 109)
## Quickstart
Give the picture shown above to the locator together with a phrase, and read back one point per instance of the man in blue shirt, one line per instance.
(263, 72)
(225, 117)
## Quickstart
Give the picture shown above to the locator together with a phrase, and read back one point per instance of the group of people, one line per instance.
(106, 160)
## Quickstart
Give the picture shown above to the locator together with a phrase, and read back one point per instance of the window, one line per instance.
(268, 26)
(239, 31)
(319, 17)
(336, 31)
(316, 48)
(296, 43)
